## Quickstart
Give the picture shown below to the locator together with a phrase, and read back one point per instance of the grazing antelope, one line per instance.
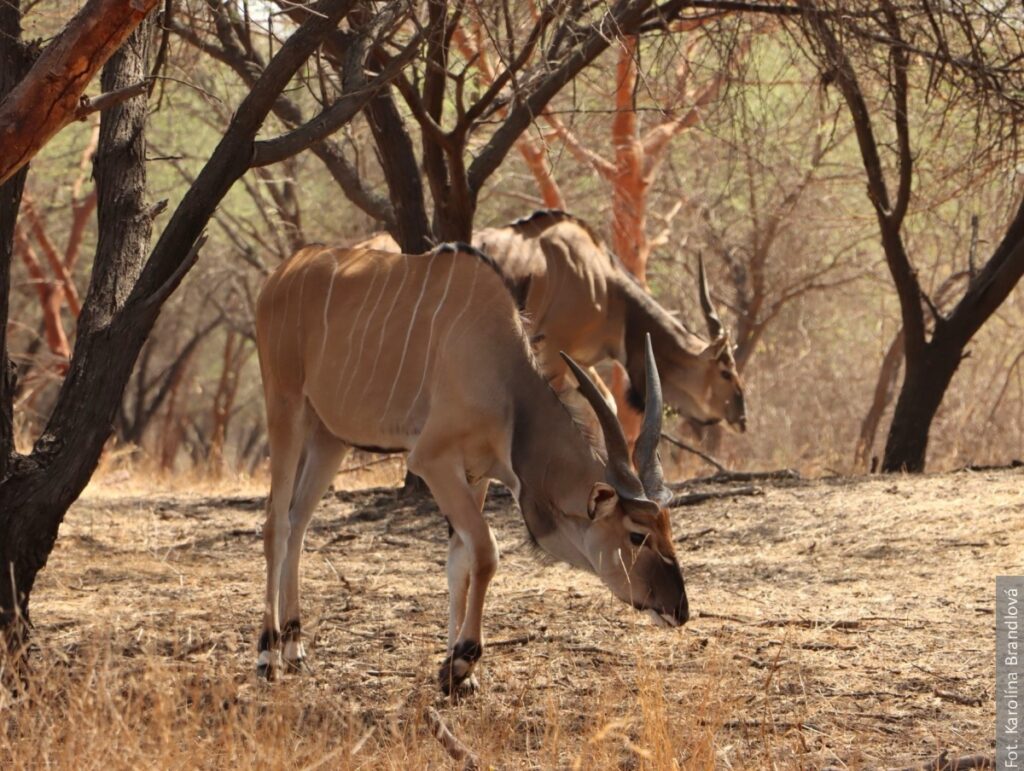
(428, 354)
(582, 301)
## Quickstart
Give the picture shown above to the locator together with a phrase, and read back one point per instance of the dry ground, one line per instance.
(843, 623)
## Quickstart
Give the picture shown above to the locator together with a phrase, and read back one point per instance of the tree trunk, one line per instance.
(927, 377)
(38, 490)
(14, 63)
(398, 160)
(884, 387)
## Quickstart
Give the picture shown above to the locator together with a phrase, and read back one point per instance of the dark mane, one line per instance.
(557, 215)
(518, 291)
(620, 275)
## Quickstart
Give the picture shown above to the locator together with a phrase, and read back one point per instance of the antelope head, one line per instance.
(721, 388)
(626, 538)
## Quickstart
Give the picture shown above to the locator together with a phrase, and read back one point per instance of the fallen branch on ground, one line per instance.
(458, 751)
(967, 701)
(810, 623)
(690, 448)
(740, 476)
(694, 536)
(692, 499)
(946, 762)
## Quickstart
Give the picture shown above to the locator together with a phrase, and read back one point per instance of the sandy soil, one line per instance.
(844, 623)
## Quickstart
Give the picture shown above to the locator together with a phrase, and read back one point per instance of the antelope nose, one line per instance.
(682, 614)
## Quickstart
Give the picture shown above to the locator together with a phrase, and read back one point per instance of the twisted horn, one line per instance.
(620, 475)
(715, 328)
(645, 454)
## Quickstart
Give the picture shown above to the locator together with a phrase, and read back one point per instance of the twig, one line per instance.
(810, 623)
(513, 641)
(367, 464)
(109, 99)
(967, 701)
(741, 476)
(692, 499)
(690, 448)
(451, 743)
(695, 536)
(945, 762)
(737, 619)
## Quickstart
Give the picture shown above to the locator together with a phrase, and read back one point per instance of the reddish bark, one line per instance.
(50, 298)
(57, 263)
(532, 150)
(224, 398)
(49, 96)
(638, 158)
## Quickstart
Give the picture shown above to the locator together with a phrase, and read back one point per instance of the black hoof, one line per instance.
(457, 669)
(267, 672)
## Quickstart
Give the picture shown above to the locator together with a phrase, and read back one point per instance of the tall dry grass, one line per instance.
(104, 706)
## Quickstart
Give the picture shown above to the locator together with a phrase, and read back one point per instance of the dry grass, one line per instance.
(147, 616)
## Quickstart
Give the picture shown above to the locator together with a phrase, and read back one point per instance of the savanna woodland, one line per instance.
(823, 200)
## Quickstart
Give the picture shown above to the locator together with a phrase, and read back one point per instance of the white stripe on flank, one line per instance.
(465, 307)
(384, 326)
(408, 336)
(351, 333)
(327, 304)
(366, 328)
(284, 318)
(430, 337)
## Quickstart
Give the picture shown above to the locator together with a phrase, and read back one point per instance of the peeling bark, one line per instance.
(60, 76)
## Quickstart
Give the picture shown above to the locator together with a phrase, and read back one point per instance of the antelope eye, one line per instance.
(637, 539)
(726, 374)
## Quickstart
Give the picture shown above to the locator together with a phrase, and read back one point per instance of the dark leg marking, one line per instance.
(458, 667)
(292, 633)
(270, 640)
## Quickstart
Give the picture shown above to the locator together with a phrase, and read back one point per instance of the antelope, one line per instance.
(582, 301)
(429, 355)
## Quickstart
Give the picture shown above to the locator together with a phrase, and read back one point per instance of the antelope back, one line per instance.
(369, 336)
(568, 300)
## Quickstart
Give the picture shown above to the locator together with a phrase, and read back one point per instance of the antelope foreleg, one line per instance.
(458, 501)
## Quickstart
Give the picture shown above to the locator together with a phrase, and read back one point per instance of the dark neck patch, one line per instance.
(518, 292)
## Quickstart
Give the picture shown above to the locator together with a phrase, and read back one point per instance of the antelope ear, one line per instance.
(603, 500)
(715, 348)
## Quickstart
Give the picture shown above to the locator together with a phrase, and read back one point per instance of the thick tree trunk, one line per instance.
(39, 489)
(928, 375)
(884, 388)
(401, 171)
(14, 63)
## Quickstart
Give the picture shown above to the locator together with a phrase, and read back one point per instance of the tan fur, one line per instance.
(581, 301)
(428, 354)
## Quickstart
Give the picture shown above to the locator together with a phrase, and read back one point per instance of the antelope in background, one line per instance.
(428, 354)
(580, 300)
